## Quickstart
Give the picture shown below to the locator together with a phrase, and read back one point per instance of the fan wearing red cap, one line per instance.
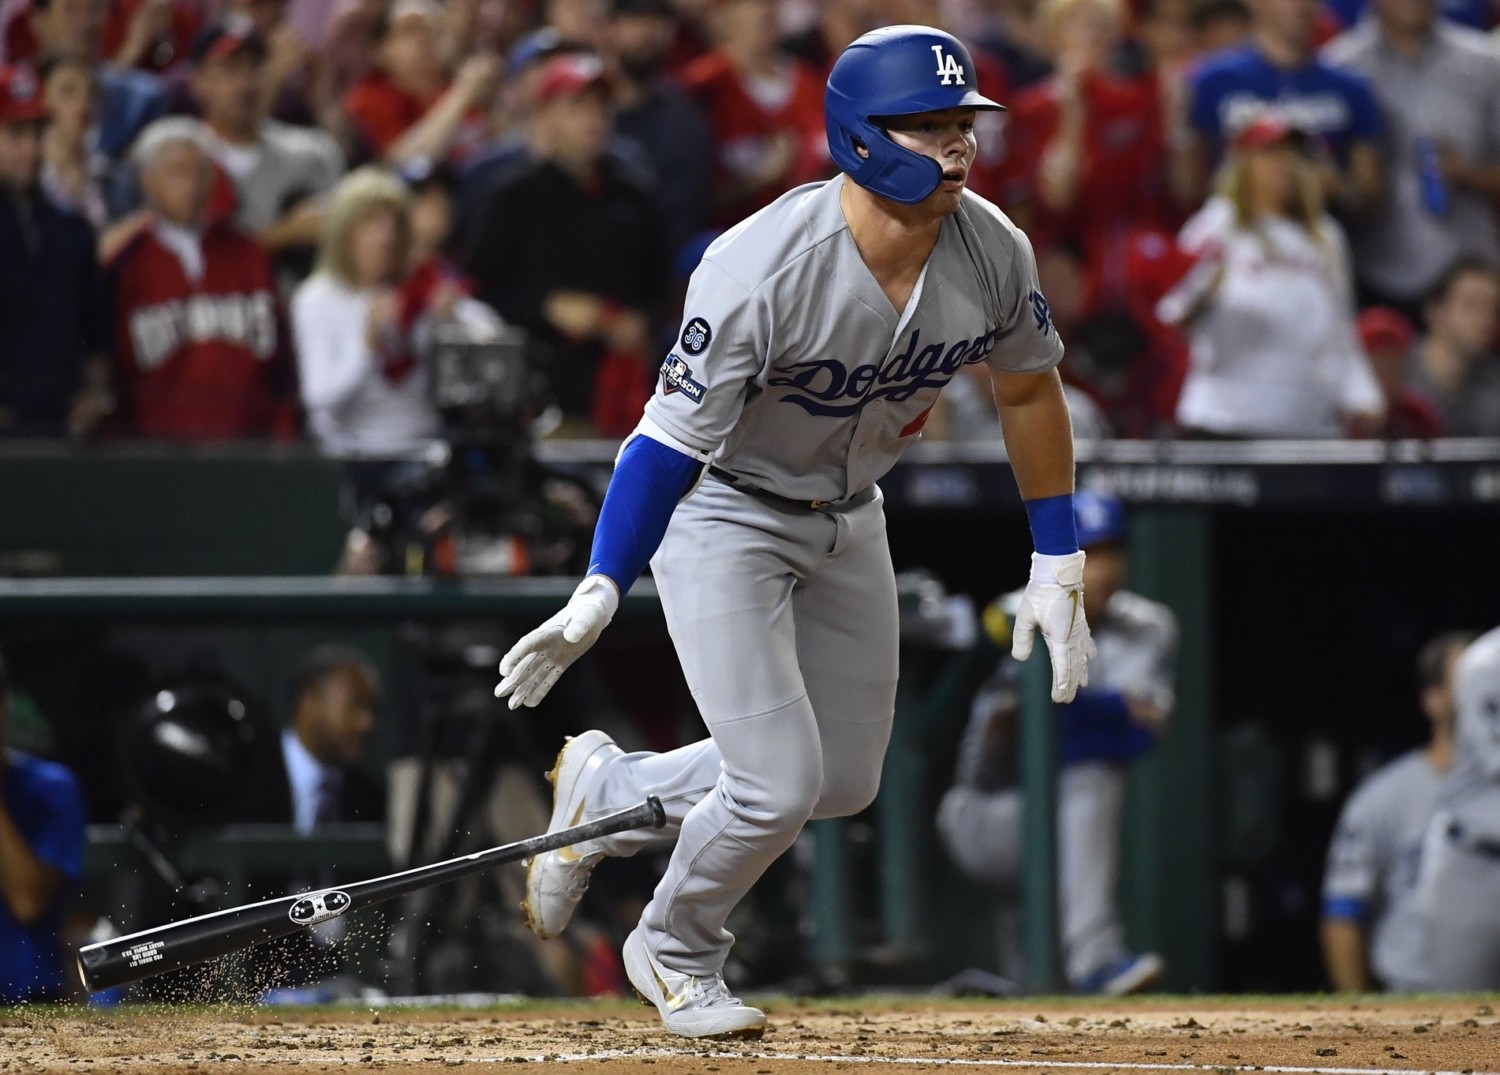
(1387, 337)
(571, 249)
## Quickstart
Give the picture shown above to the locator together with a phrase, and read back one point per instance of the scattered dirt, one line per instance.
(874, 1035)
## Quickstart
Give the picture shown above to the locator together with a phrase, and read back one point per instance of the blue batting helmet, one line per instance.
(895, 71)
(1099, 517)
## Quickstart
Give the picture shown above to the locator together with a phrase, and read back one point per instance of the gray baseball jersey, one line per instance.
(795, 371)
(1373, 862)
(1461, 857)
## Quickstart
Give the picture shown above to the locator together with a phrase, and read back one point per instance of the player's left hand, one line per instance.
(1053, 602)
(534, 663)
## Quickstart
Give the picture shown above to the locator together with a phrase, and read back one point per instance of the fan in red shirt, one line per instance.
(198, 336)
(1086, 158)
(405, 109)
(765, 108)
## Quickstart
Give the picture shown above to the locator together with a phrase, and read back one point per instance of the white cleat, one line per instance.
(690, 1006)
(557, 880)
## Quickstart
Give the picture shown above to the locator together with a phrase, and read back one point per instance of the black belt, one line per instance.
(765, 494)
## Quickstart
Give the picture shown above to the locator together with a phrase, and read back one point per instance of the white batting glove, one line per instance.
(534, 663)
(1053, 601)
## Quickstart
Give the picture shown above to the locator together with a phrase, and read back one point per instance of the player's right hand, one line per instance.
(534, 663)
(1053, 602)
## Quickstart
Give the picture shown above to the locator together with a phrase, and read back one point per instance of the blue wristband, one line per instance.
(1054, 532)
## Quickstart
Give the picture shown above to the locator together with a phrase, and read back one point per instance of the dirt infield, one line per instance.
(876, 1035)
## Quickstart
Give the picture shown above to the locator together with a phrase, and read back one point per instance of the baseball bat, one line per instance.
(209, 936)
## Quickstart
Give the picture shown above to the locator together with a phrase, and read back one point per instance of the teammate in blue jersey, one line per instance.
(815, 339)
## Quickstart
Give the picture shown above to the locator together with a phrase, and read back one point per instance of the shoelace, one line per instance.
(710, 992)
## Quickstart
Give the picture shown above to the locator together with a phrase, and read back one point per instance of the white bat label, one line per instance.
(141, 954)
(319, 907)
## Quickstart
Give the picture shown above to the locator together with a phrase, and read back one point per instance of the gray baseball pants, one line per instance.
(982, 832)
(785, 622)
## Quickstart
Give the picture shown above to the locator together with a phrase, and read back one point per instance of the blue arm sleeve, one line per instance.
(649, 479)
(1096, 726)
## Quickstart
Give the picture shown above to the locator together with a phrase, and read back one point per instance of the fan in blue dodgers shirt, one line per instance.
(1278, 69)
(41, 853)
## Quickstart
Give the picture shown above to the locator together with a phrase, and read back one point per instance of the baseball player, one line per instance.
(1458, 886)
(1107, 724)
(816, 336)
(1371, 929)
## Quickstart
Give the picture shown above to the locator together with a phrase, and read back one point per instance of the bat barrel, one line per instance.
(197, 940)
(141, 955)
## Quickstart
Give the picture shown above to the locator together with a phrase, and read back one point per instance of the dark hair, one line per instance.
(1204, 13)
(319, 666)
(1432, 658)
(4, 681)
(1461, 266)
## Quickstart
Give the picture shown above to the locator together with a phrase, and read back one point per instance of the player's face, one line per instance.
(946, 137)
(1437, 701)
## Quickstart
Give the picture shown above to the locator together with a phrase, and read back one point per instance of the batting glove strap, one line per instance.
(534, 664)
(1053, 604)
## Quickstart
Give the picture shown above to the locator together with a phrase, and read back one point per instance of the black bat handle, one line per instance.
(196, 940)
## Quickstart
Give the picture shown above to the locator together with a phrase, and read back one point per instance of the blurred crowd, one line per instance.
(230, 219)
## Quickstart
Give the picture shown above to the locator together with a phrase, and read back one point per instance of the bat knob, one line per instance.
(658, 812)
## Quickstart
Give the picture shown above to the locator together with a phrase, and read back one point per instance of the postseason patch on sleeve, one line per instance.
(677, 376)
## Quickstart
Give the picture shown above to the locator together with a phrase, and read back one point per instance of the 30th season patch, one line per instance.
(677, 376)
(696, 335)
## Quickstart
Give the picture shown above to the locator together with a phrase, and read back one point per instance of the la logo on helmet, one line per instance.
(948, 67)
